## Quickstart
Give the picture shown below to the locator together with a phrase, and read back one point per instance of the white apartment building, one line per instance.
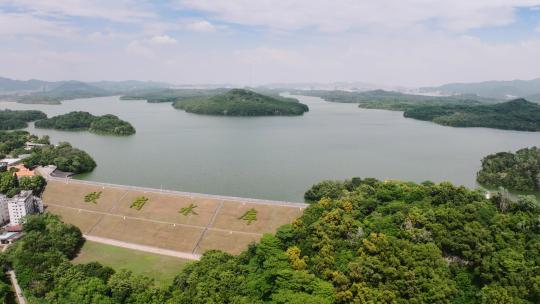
(21, 205)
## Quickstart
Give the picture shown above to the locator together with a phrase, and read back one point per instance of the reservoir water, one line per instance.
(275, 157)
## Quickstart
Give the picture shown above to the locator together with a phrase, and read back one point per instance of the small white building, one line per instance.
(21, 205)
(30, 145)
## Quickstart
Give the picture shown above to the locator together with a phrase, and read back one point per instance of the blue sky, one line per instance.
(391, 42)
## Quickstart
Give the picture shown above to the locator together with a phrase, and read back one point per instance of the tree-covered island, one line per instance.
(12, 119)
(75, 121)
(518, 171)
(240, 102)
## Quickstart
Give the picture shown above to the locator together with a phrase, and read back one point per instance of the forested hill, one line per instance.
(515, 171)
(362, 241)
(493, 89)
(64, 91)
(240, 102)
(517, 114)
(74, 121)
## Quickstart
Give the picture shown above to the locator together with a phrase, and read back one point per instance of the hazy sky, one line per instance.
(399, 42)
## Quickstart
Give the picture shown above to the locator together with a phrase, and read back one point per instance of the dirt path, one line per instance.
(18, 290)
(150, 249)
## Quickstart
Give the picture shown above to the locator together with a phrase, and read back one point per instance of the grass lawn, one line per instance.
(161, 268)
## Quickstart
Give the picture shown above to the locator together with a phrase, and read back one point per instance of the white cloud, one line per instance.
(138, 48)
(200, 26)
(342, 15)
(407, 42)
(163, 40)
(23, 24)
(266, 55)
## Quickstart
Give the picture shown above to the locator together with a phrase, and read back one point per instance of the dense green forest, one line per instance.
(517, 114)
(10, 119)
(63, 156)
(390, 100)
(515, 171)
(6, 295)
(70, 121)
(111, 124)
(171, 95)
(73, 121)
(10, 185)
(360, 241)
(240, 102)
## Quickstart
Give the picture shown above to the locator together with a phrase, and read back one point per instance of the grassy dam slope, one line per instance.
(177, 221)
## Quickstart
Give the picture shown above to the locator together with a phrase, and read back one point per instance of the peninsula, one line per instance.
(518, 171)
(519, 114)
(10, 119)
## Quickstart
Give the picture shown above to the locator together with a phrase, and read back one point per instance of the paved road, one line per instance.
(176, 254)
(18, 290)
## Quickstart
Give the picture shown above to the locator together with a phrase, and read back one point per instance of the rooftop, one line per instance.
(23, 171)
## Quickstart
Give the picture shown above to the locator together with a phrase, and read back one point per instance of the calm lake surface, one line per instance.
(275, 157)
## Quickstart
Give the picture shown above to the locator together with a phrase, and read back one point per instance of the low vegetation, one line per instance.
(372, 242)
(515, 171)
(92, 197)
(162, 269)
(10, 119)
(76, 121)
(139, 202)
(188, 210)
(170, 95)
(239, 102)
(517, 114)
(63, 156)
(249, 216)
(395, 101)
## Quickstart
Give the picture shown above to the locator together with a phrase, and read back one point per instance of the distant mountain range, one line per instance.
(529, 89)
(333, 86)
(53, 92)
(39, 91)
(8, 86)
